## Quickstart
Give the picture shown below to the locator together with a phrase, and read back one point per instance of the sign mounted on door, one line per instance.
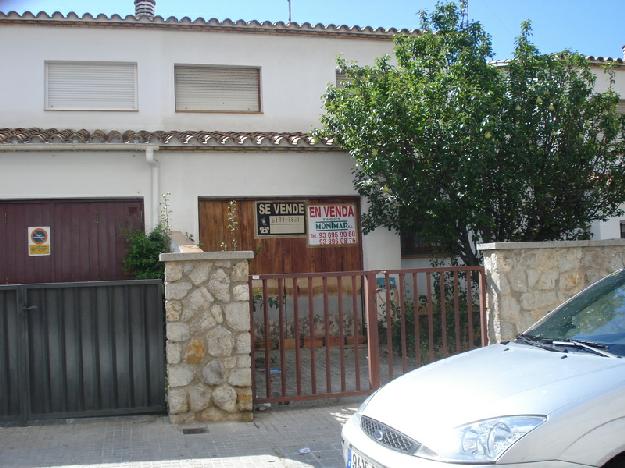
(281, 218)
(332, 225)
(39, 241)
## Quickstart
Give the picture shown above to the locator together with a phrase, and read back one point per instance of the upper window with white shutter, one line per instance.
(91, 86)
(217, 88)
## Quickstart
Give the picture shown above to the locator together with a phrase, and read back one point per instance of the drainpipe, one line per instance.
(156, 191)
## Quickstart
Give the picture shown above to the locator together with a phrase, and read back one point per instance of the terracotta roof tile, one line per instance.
(190, 138)
(590, 58)
(212, 24)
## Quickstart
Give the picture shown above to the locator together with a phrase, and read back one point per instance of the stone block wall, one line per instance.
(526, 280)
(209, 370)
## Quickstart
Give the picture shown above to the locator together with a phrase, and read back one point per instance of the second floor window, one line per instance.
(91, 86)
(217, 88)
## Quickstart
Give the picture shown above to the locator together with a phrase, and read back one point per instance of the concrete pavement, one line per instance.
(275, 439)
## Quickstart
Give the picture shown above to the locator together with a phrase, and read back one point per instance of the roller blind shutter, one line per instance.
(621, 106)
(91, 86)
(217, 88)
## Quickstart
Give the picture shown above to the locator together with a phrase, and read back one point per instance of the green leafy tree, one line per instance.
(458, 149)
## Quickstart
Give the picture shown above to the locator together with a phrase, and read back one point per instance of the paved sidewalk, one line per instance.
(274, 439)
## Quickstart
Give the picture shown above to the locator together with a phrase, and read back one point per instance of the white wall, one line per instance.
(189, 175)
(29, 175)
(603, 79)
(609, 229)
(295, 71)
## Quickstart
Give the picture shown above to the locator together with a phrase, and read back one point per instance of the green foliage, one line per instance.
(459, 149)
(430, 331)
(143, 251)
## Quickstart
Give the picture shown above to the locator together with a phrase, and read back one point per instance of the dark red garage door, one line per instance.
(87, 239)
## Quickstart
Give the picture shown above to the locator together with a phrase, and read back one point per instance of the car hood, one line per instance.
(498, 380)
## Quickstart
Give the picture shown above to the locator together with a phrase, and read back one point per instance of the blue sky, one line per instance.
(592, 27)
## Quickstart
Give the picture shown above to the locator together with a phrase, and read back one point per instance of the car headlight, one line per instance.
(480, 441)
(363, 406)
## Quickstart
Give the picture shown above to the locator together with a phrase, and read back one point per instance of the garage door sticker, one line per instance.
(39, 241)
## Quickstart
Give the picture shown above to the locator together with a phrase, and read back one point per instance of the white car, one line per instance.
(552, 398)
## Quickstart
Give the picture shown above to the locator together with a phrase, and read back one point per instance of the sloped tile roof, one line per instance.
(212, 24)
(591, 58)
(188, 138)
(600, 59)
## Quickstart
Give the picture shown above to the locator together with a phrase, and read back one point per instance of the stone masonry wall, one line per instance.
(208, 336)
(525, 280)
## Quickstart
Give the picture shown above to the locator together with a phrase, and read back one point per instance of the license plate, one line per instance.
(356, 460)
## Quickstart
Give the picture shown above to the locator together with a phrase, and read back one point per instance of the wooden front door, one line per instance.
(275, 254)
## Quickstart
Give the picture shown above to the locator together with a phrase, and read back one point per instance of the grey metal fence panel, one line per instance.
(90, 349)
(9, 355)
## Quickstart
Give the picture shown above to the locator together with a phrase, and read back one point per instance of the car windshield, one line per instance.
(595, 316)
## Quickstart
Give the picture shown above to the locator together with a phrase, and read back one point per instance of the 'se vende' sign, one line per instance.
(280, 218)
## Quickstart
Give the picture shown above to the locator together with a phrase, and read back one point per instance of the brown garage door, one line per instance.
(276, 254)
(87, 239)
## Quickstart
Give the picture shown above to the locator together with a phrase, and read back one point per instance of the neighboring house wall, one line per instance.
(295, 71)
(609, 229)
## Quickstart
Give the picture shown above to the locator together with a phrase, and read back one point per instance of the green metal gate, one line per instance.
(81, 349)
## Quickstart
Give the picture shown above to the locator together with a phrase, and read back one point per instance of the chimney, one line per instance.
(145, 8)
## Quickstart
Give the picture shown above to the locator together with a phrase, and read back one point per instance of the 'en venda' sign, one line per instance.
(332, 224)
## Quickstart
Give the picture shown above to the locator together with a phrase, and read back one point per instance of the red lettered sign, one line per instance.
(332, 225)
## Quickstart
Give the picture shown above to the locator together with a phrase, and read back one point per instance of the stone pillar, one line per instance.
(526, 280)
(209, 369)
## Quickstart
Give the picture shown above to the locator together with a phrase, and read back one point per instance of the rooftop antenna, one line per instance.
(289, 1)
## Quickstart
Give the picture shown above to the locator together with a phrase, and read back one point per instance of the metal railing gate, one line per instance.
(328, 335)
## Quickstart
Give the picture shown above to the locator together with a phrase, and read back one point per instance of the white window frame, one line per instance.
(219, 111)
(46, 106)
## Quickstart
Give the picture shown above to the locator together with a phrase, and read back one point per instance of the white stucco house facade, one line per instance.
(55, 146)
(247, 138)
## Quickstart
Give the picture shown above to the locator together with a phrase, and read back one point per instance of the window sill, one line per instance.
(216, 112)
(87, 109)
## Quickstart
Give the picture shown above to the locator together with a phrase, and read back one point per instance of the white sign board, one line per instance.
(39, 241)
(280, 218)
(332, 225)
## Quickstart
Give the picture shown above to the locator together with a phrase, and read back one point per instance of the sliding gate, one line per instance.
(81, 349)
(327, 335)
